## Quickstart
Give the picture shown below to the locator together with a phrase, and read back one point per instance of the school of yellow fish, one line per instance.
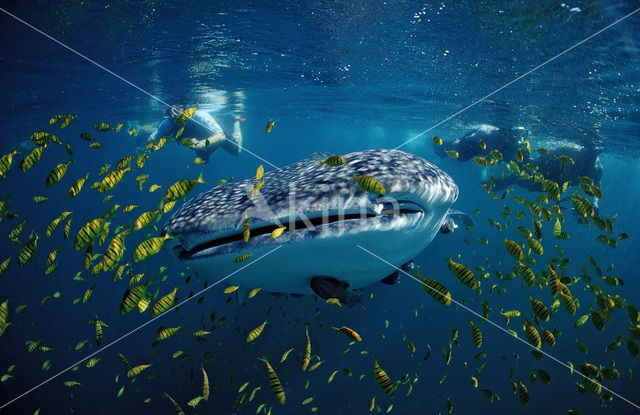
(549, 284)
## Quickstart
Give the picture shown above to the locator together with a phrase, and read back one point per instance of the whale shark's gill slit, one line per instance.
(403, 209)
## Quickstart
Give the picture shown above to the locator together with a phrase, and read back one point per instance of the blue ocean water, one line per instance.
(341, 77)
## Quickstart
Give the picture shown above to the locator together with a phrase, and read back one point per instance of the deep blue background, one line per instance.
(338, 76)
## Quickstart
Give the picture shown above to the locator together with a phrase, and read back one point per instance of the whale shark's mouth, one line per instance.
(401, 212)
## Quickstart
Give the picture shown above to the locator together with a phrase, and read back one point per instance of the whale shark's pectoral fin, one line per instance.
(408, 267)
(330, 287)
(390, 279)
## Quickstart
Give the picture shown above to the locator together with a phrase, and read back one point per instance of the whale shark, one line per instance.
(327, 217)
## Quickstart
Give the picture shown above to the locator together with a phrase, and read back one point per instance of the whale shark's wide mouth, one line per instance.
(383, 210)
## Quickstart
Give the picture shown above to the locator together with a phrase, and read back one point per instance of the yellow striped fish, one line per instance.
(349, 332)
(369, 184)
(89, 232)
(76, 187)
(166, 332)
(92, 362)
(270, 125)
(253, 334)
(132, 296)
(307, 352)
(180, 189)
(523, 393)
(32, 158)
(274, 382)
(539, 309)
(164, 303)
(149, 248)
(383, 379)
(5, 162)
(256, 189)
(528, 276)
(134, 371)
(205, 384)
(114, 252)
(143, 303)
(477, 335)
(186, 115)
(548, 337)
(57, 173)
(514, 249)
(435, 289)
(144, 220)
(112, 179)
(242, 257)
(533, 336)
(464, 274)
(246, 231)
(285, 355)
(28, 250)
(333, 161)
(177, 407)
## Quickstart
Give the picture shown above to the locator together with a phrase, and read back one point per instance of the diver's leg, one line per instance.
(330, 287)
(234, 146)
(215, 140)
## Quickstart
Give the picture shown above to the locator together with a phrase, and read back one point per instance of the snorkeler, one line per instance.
(481, 140)
(201, 132)
(586, 162)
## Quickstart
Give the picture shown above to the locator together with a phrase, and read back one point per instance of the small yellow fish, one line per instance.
(154, 187)
(242, 257)
(350, 333)
(452, 153)
(186, 114)
(230, 289)
(437, 140)
(277, 232)
(195, 401)
(246, 231)
(315, 366)
(270, 125)
(256, 189)
(254, 292)
(333, 161)
(133, 131)
(369, 184)
(334, 301)
(255, 332)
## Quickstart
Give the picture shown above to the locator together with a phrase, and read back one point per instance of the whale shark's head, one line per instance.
(326, 215)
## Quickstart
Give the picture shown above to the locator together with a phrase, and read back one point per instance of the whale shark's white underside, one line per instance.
(327, 216)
